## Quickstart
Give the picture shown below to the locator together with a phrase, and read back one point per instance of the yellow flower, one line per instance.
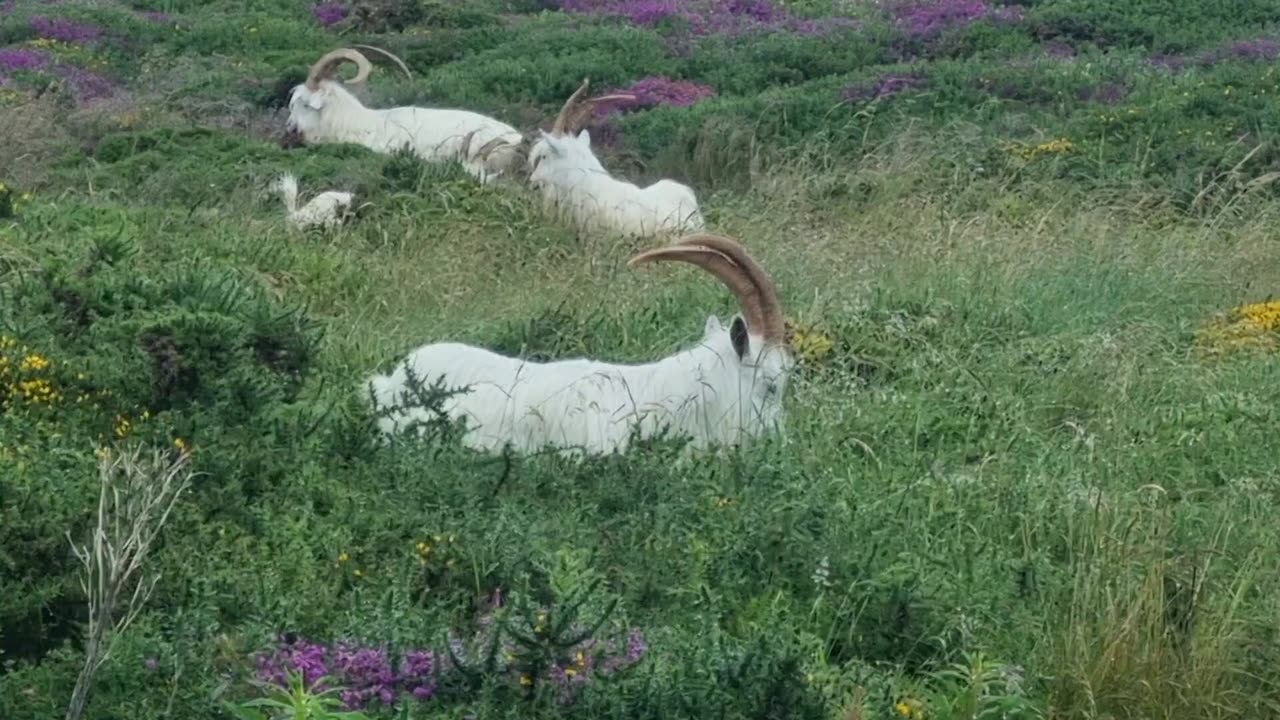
(179, 443)
(525, 680)
(570, 672)
(1254, 325)
(343, 557)
(34, 362)
(910, 708)
(358, 573)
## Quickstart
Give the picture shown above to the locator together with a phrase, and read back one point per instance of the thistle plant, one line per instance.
(545, 646)
(137, 492)
(296, 700)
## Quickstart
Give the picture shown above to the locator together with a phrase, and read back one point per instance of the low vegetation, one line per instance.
(1027, 253)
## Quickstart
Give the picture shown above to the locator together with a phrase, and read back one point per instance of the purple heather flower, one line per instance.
(1058, 50)
(64, 30)
(928, 18)
(1262, 49)
(636, 646)
(329, 13)
(716, 17)
(362, 675)
(150, 664)
(86, 85)
(761, 11)
(155, 17)
(883, 86)
(654, 91)
(21, 59)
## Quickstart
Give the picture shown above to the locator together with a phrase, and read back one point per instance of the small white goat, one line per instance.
(327, 210)
(322, 110)
(727, 388)
(572, 180)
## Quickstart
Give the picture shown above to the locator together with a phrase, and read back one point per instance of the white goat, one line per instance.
(572, 180)
(322, 110)
(727, 388)
(327, 210)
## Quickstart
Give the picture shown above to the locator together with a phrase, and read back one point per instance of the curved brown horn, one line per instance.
(328, 63)
(579, 116)
(390, 56)
(727, 260)
(773, 326)
(559, 127)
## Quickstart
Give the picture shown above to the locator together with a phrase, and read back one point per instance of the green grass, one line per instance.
(1012, 463)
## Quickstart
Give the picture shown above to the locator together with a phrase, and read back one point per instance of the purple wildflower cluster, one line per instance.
(21, 59)
(926, 19)
(64, 30)
(364, 675)
(86, 85)
(650, 92)
(1256, 50)
(588, 660)
(329, 13)
(884, 86)
(710, 17)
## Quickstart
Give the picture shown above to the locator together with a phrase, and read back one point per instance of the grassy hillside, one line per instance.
(1030, 464)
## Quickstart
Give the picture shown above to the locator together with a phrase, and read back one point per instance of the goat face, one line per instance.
(553, 154)
(305, 113)
(762, 370)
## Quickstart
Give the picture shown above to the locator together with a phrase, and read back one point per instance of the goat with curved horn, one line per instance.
(725, 389)
(322, 110)
(574, 183)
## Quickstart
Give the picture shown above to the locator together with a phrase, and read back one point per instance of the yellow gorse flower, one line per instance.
(1253, 325)
(810, 344)
(909, 708)
(1059, 146)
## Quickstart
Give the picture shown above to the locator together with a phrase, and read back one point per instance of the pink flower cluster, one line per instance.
(364, 675)
(926, 19)
(710, 17)
(653, 91)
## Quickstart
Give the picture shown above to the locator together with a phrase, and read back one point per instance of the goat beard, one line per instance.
(292, 138)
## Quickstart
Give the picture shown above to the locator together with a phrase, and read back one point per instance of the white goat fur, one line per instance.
(574, 183)
(330, 113)
(326, 209)
(727, 388)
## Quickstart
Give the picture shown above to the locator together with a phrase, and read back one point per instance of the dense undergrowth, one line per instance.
(1028, 469)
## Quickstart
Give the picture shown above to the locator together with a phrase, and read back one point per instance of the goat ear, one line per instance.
(584, 137)
(738, 336)
(713, 326)
(553, 144)
(315, 100)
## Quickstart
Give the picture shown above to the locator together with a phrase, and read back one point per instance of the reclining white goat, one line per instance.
(727, 388)
(322, 110)
(327, 210)
(572, 180)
